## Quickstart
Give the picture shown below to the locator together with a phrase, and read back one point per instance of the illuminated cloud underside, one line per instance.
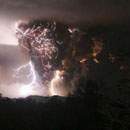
(7, 35)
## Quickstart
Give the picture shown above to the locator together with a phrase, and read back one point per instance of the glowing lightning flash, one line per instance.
(27, 89)
(54, 81)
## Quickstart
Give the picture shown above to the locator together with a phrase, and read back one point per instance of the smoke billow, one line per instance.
(59, 52)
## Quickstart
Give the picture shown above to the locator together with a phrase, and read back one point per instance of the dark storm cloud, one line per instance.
(73, 10)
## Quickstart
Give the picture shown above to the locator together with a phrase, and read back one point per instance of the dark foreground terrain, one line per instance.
(89, 110)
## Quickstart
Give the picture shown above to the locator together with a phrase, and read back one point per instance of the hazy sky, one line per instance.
(92, 11)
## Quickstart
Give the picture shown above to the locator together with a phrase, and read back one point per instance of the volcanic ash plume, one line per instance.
(58, 54)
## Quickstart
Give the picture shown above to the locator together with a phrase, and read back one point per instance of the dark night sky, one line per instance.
(90, 11)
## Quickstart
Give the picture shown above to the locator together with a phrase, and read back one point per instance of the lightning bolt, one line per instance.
(54, 82)
(31, 72)
(18, 70)
(28, 88)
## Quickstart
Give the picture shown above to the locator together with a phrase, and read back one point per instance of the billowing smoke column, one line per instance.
(41, 42)
(58, 53)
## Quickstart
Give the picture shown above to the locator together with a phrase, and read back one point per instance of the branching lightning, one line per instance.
(18, 75)
(27, 89)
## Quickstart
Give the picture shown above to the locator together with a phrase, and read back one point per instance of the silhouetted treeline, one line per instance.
(91, 111)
